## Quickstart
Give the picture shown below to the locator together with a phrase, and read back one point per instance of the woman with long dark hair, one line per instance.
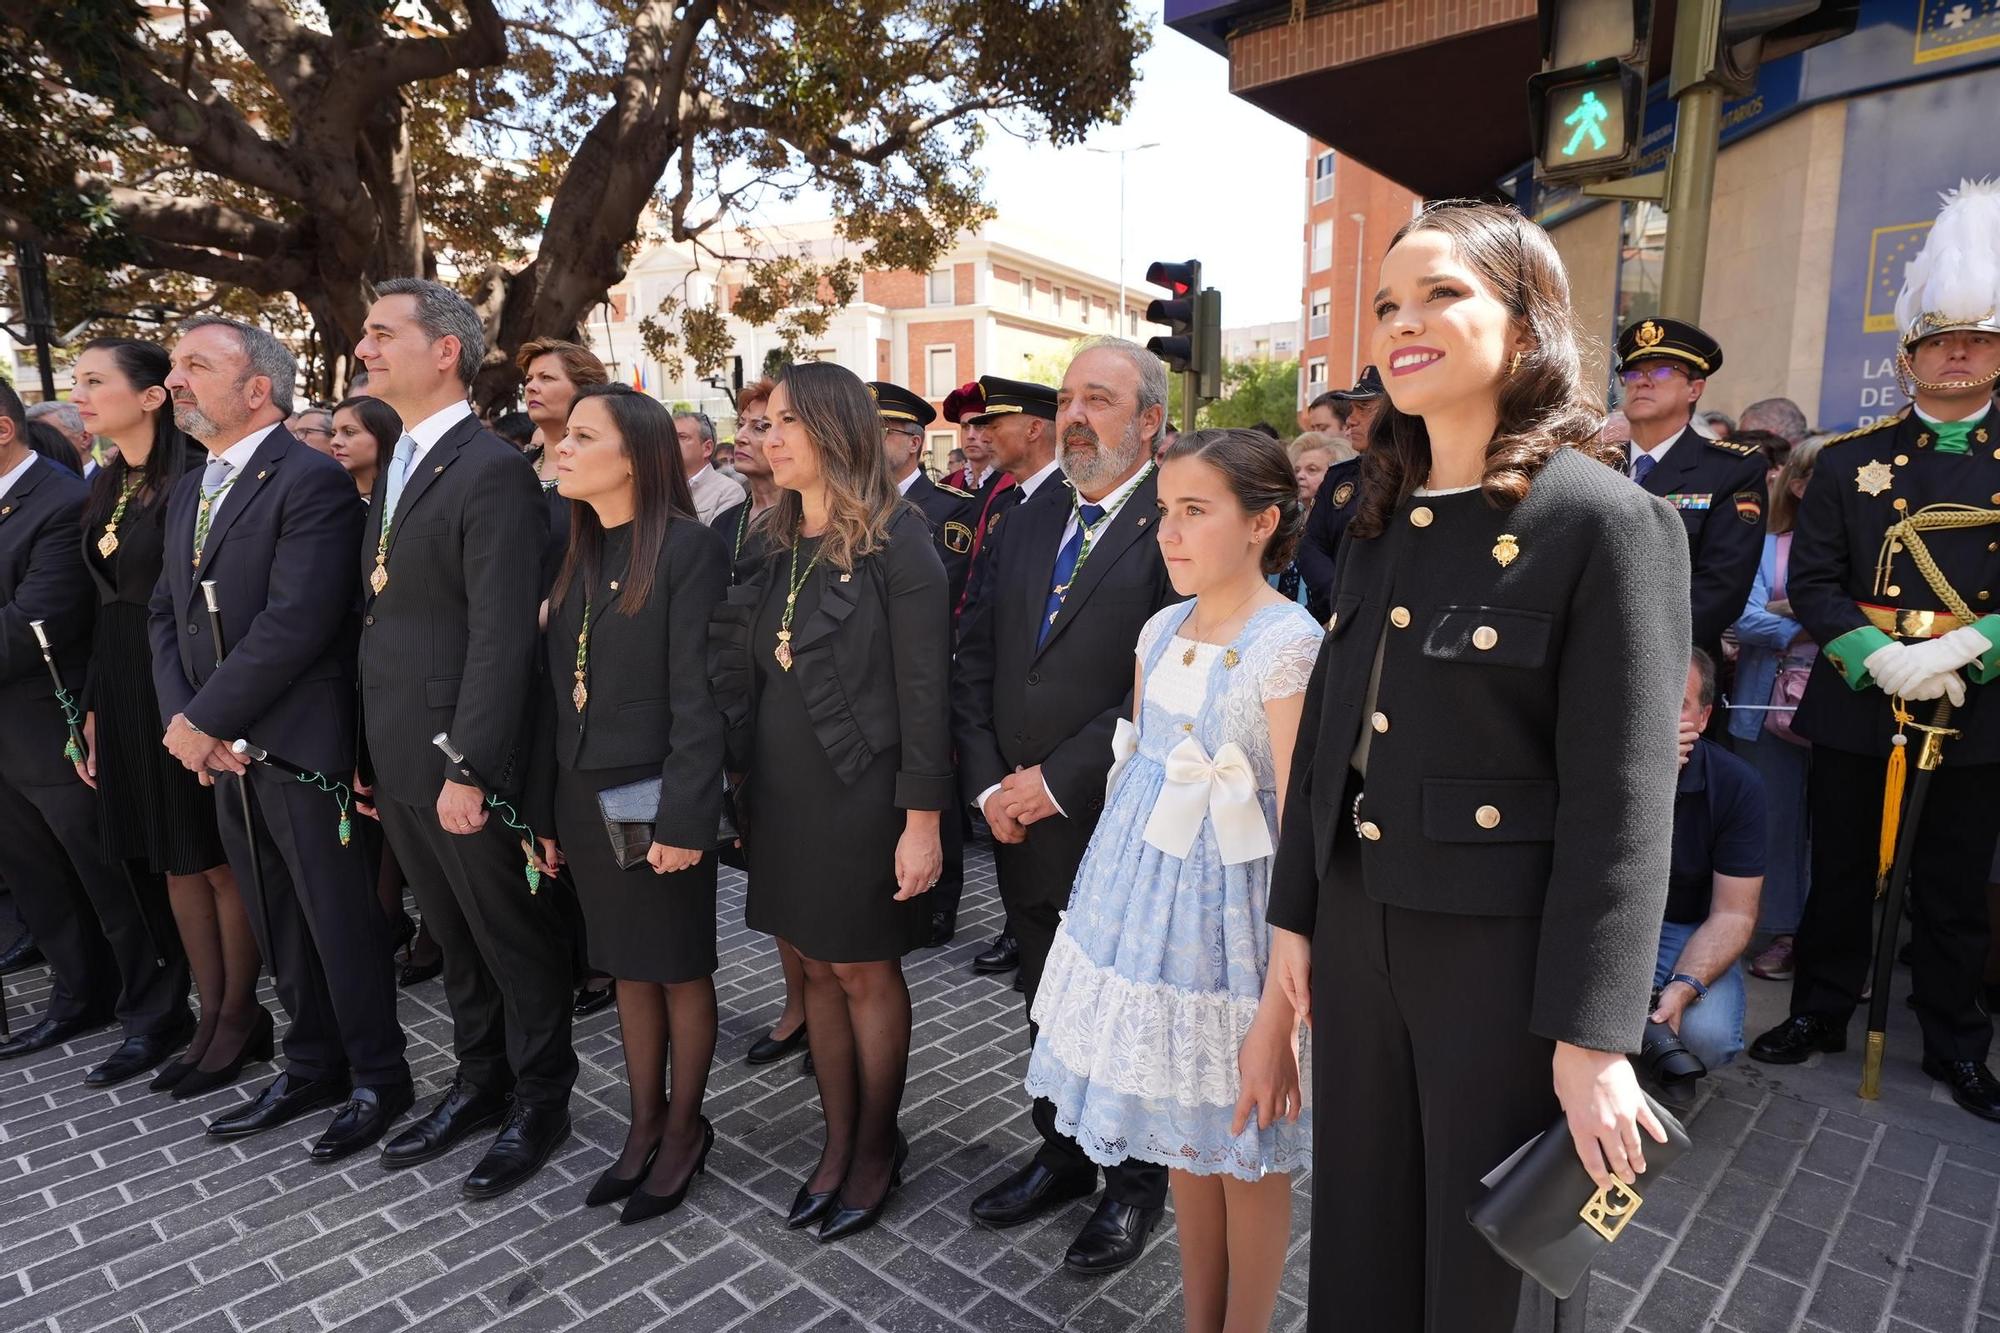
(836, 659)
(365, 431)
(152, 813)
(1482, 788)
(627, 666)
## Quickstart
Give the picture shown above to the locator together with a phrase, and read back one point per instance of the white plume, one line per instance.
(1956, 276)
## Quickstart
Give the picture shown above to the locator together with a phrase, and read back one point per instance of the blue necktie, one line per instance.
(1642, 467)
(399, 472)
(1088, 517)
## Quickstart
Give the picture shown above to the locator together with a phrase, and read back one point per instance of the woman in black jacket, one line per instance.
(1475, 854)
(837, 657)
(153, 814)
(627, 657)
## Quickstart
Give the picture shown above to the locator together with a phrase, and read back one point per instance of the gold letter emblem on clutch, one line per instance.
(1610, 1209)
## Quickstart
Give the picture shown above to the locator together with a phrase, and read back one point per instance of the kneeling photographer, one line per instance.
(1718, 871)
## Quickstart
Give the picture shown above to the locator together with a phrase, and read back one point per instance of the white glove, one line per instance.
(1949, 652)
(1944, 683)
(1890, 668)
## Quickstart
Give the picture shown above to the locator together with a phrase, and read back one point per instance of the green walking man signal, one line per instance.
(1589, 114)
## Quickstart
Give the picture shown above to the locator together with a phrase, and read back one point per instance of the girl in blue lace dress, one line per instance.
(1157, 1041)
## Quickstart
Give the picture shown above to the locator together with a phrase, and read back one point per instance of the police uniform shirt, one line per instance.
(1718, 489)
(951, 514)
(1718, 830)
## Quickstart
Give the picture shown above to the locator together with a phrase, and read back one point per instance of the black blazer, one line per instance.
(1531, 694)
(451, 642)
(1333, 506)
(1718, 489)
(281, 554)
(41, 578)
(1836, 547)
(1015, 705)
(951, 512)
(649, 700)
(873, 662)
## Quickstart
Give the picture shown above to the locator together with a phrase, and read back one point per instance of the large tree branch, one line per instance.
(289, 54)
(376, 70)
(184, 220)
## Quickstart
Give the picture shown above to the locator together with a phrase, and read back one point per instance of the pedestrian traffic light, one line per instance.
(1754, 31)
(1584, 107)
(1180, 348)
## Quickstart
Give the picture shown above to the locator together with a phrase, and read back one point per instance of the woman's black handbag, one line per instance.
(629, 810)
(1545, 1215)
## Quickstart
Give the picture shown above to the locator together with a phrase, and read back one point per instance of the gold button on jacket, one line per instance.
(1486, 816)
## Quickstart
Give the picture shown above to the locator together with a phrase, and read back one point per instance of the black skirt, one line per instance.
(150, 809)
(822, 853)
(640, 926)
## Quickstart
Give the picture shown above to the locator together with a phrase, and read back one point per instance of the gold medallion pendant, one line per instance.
(579, 696)
(783, 652)
(380, 578)
(107, 543)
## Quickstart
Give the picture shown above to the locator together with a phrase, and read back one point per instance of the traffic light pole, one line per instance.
(1690, 194)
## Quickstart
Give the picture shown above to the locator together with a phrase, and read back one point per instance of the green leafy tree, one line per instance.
(174, 158)
(1254, 391)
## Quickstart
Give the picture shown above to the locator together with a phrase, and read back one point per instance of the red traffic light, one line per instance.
(1179, 278)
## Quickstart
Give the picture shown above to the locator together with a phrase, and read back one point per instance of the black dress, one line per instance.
(150, 809)
(648, 713)
(822, 851)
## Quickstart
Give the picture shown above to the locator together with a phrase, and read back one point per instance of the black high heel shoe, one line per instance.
(611, 1188)
(844, 1221)
(260, 1045)
(171, 1074)
(643, 1205)
(402, 933)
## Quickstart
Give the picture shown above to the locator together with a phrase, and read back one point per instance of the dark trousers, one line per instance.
(1949, 926)
(1035, 888)
(321, 929)
(111, 950)
(1425, 1077)
(508, 959)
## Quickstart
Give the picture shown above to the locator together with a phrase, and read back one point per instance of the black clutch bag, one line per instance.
(628, 812)
(1545, 1215)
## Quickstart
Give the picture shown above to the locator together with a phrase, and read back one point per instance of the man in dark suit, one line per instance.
(107, 953)
(1717, 486)
(951, 512)
(1045, 671)
(451, 555)
(272, 524)
(1319, 547)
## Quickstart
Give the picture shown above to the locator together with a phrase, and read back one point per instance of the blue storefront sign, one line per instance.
(1903, 149)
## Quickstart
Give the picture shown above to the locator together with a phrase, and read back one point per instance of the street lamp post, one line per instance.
(1360, 221)
(1120, 153)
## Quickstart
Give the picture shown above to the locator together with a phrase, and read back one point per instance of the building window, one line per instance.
(1056, 296)
(941, 443)
(1027, 293)
(1315, 377)
(940, 287)
(1322, 256)
(1323, 177)
(1131, 323)
(1322, 302)
(940, 370)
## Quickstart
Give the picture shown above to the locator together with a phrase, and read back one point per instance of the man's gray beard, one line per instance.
(1101, 465)
(196, 422)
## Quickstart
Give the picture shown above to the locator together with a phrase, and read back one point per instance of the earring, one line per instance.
(1515, 368)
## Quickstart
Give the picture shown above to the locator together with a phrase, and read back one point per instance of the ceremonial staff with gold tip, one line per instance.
(1895, 569)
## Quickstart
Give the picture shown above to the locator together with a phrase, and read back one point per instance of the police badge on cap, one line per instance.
(1672, 339)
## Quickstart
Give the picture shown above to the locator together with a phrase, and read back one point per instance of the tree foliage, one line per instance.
(1257, 391)
(216, 154)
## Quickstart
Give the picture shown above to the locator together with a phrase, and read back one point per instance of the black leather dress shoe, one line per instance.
(1003, 955)
(1972, 1085)
(136, 1055)
(366, 1117)
(1028, 1193)
(286, 1099)
(944, 925)
(1798, 1038)
(769, 1049)
(462, 1111)
(1114, 1236)
(527, 1137)
(415, 974)
(23, 952)
(592, 999)
(49, 1032)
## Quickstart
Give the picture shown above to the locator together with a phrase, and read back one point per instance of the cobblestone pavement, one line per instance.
(1801, 1207)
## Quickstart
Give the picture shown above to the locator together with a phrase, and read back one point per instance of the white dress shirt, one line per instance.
(429, 431)
(18, 471)
(1658, 453)
(237, 456)
(903, 486)
(1029, 485)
